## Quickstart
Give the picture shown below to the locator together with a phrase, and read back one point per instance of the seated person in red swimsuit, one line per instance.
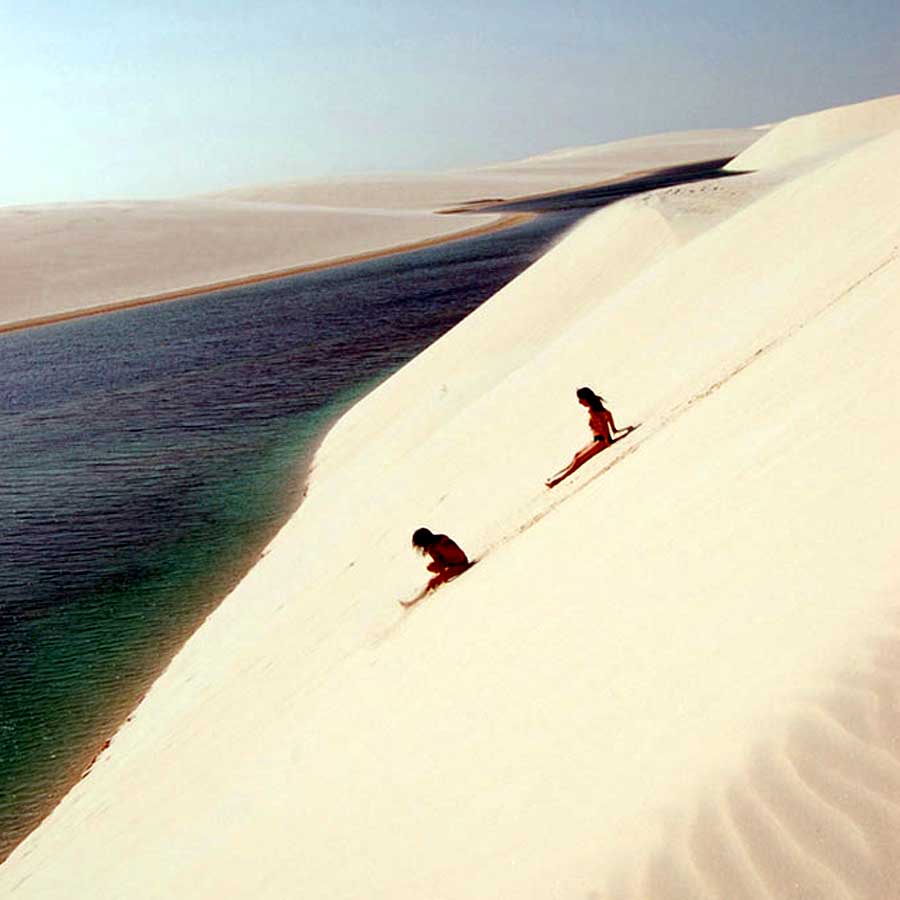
(602, 427)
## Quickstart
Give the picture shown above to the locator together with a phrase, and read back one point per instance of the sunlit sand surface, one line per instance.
(675, 675)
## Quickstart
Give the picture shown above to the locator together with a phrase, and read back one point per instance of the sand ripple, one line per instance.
(815, 814)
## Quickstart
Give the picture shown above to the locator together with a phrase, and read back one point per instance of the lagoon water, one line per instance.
(150, 454)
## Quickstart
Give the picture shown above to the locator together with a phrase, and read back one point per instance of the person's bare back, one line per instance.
(447, 559)
(445, 554)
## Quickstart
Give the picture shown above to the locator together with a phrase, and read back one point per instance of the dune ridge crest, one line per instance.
(819, 134)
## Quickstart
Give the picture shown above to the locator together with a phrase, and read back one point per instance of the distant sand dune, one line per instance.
(558, 170)
(70, 258)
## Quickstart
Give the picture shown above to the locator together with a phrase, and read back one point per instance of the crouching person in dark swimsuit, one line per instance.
(602, 426)
(447, 559)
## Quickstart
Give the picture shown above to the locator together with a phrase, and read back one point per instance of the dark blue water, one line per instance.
(150, 454)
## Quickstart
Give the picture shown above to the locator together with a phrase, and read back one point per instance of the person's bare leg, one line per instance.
(445, 574)
(580, 458)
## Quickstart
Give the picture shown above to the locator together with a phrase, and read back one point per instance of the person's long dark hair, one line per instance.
(422, 539)
(594, 401)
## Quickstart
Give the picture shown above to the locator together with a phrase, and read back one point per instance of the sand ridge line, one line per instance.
(651, 175)
(509, 221)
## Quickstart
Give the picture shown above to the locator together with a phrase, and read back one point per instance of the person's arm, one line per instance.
(620, 433)
(610, 422)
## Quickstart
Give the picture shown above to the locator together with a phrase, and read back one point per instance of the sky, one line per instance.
(118, 99)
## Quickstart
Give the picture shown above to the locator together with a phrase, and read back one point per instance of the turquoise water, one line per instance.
(149, 456)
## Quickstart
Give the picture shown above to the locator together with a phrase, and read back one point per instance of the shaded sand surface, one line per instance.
(677, 675)
(61, 259)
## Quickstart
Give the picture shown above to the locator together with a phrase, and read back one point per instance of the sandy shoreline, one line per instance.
(658, 175)
(508, 221)
(674, 676)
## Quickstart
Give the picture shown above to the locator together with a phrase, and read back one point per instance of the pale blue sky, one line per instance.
(123, 98)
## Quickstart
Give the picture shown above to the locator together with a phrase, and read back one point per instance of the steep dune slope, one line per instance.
(500, 336)
(803, 139)
(674, 676)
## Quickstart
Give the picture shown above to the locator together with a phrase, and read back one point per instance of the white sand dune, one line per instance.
(676, 675)
(807, 138)
(559, 170)
(61, 259)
